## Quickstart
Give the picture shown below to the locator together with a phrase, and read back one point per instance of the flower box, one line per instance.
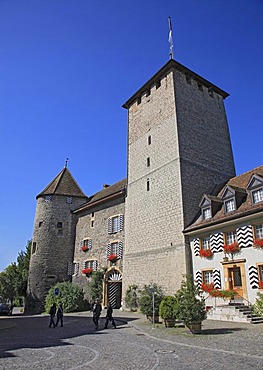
(87, 271)
(258, 243)
(260, 284)
(207, 253)
(113, 257)
(85, 248)
(231, 248)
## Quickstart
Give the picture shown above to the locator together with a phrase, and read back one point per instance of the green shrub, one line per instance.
(189, 306)
(258, 306)
(167, 308)
(132, 298)
(70, 295)
(95, 285)
(146, 300)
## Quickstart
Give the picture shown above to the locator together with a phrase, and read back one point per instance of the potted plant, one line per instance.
(190, 306)
(146, 301)
(87, 271)
(258, 243)
(113, 257)
(167, 311)
(206, 253)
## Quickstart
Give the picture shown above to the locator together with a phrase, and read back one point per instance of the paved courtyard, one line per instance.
(28, 343)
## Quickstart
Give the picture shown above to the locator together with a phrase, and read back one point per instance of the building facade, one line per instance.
(144, 229)
(227, 239)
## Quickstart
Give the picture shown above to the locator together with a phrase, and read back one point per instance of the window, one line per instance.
(207, 213)
(188, 79)
(92, 214)
(260, 272)
(257, 196)
(69, 200)
(158, 84)
(59, 225)
(115, 224)
(86, 244)
(48, 198)
(230, 237)
(34, 247)
(139, 100)
(73, 268)
(258, 231)
(89, 264)
(148, 185)
(148, 162)
(149, 140)
(210, 92)
(230, 205)
(92, 224)
(200, 86)
(40, 223)
(205, 243)
(207, 276)
(114, 247)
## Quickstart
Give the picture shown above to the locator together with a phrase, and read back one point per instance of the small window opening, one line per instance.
(148, 185)
(40, 223)
(34, 247)
(149, 140)
(92, 223)
(200, 86)
(92, 214)
(188, 79)
(139, 100)
(148, 162)
(59, 225)
(158, 84)
(210, 92)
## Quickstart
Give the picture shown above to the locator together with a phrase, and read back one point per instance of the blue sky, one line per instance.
(67, 66)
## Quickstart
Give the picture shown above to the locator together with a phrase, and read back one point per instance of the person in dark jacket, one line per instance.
(52, 313)
(96, 313)
(109, 317)
(60, 315)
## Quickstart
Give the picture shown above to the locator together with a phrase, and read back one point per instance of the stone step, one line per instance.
(256, 320)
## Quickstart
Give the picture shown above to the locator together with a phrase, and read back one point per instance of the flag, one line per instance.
(170, 38)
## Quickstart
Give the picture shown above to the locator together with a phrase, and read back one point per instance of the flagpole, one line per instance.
(170, 38)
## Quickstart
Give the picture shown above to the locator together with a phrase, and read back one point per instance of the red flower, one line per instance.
(207, 253)
(85, 248)
(260, 284)
(258, 243)
(231, 248)
(87, 271)
(207, 287)
(113, 257)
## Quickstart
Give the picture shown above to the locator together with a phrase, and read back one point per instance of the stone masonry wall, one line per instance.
(52, 248)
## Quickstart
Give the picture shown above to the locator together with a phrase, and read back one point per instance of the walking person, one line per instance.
(96, 313)
(60, 315)
(52, 313)
(109, 317)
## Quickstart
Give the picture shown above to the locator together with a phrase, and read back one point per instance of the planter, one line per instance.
(84, 248)
(150, 318)
(194, 327)
(113, 258)
(169, 323)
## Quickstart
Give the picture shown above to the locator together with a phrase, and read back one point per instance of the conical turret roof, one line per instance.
(63, 184)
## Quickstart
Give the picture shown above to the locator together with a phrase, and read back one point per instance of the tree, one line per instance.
(70, 295)
(132, 298)
(9, 280)
(95, 285)
(23, 261)
(146, 300)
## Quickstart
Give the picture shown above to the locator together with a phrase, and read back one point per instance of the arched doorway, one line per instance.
(114, 288)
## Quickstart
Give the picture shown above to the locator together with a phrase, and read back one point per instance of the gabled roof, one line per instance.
(238, 184)
(63, 184)
(108, 193)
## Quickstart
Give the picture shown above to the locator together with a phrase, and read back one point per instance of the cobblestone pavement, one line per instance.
(28, 343)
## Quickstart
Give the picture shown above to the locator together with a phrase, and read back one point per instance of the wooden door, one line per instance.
(235, 280)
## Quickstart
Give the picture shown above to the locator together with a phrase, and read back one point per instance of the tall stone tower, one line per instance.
(53, 238)
(178, 148)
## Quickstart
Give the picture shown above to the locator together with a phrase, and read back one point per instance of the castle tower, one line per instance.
(53, 238)
(178, 148)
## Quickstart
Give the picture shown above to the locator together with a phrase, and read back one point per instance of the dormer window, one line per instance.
(255, 188)
(257, 196)
(230, 205)
(207, 213)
